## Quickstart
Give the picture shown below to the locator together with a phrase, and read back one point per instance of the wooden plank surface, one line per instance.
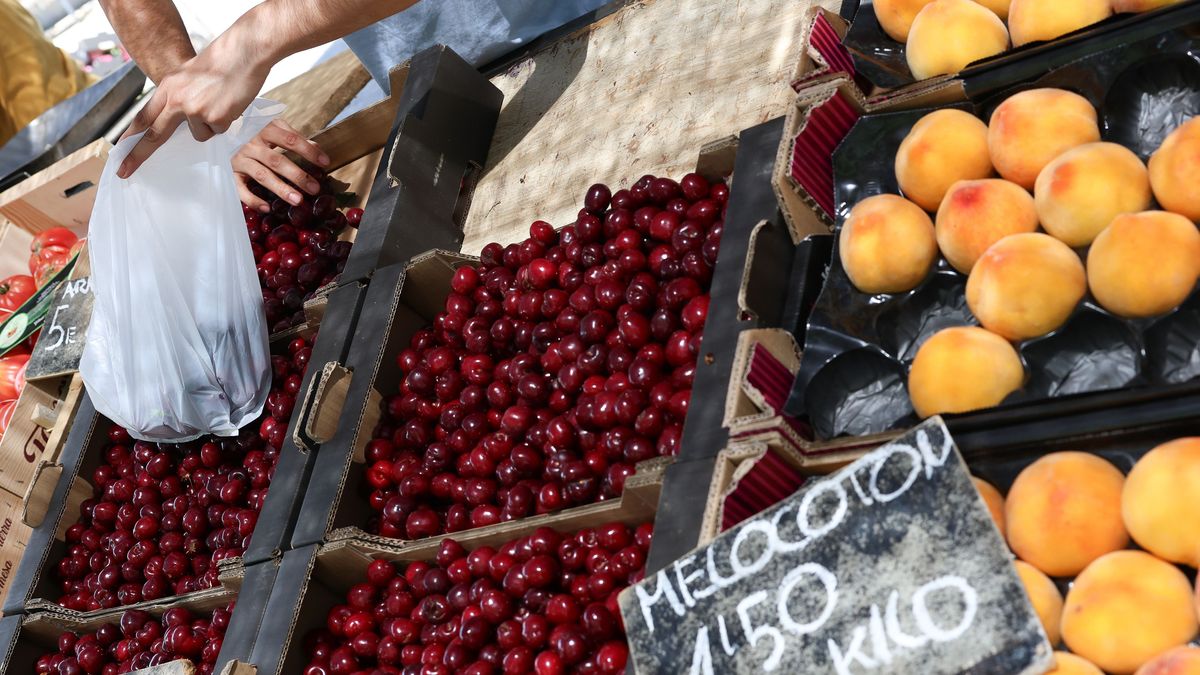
(638, 92)
(316, 97)
(61, 194)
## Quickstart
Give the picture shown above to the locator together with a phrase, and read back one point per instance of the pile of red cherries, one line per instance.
(162, 516)
(558, 364)
(545, 604)
(296, 250)
(139, 640)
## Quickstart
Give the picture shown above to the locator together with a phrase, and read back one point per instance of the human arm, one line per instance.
(152, 32)
(210, 90)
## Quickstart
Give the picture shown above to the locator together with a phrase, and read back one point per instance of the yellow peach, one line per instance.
(1044, 596)
(1029, 129)
(961, 369)
(1145, 263)
(1177, 661)
(1121, 6)
(1126, 608)
(895, 17)
(1000, 7)
(942, 148)
(1026, 285)
(1066, 663)
(1033, 20)
(946, 35)
(1161, 501)
(978, 213)
(993, 499)
(1082, 190)
(1064, 511)
(887, 245)
(1175, 170)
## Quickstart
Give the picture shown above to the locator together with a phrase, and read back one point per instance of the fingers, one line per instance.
(158, 132)
(143, 118)
(280, 165)
(249, 198)
(253, 168)
(200, 131)
(281, 134)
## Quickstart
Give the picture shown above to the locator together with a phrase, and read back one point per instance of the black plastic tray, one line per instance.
(858, 347)
(880, 60)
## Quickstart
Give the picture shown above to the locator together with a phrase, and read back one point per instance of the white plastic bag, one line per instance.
(177, 345)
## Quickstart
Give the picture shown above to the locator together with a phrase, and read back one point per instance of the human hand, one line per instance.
(260, 160)
(208, 92)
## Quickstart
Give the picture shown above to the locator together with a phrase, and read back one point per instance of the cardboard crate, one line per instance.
(832, 94)
(14, 536)
(61, 195)
(42, 418)
(443, 122)
(25, 638)
(1106, 66)
(315, 577)
(82, 453)
(341, 411)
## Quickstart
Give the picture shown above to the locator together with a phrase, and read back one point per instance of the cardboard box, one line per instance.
(341, 411)
(315, 577)
(438, 141)
(25, 638)
(833, 92)
(82, 452)
(14, 535)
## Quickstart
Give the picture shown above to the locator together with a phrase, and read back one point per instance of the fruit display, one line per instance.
(941, 37)
(297, 249)
(162, 516)
(545, 603)
(14, 291)
(559, 363)
(12, 382)
(1071, 516)
(1069, 227)
(50, 252)
(141, 640)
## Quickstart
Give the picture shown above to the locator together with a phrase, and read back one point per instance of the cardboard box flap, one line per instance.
(62, 194)
(49, 620)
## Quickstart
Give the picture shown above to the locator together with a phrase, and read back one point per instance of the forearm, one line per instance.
(153, 33)
(276, 29)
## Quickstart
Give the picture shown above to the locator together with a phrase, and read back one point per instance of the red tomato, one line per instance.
(55, 236)
(44, 264)
(14, 291)
(46, 271)
(20, 378)
(10, 367)
(6, 414)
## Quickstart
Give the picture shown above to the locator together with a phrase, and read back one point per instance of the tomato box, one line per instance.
(315, 577)
(26, 638)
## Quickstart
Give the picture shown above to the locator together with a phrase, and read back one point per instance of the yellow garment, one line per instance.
(34, 74)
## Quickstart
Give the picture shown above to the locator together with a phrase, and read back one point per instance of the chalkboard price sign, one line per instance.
(60, 346)
(891, 565)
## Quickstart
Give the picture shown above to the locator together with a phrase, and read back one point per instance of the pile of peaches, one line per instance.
(1072, 516)
(942, 36)
(1062, 198)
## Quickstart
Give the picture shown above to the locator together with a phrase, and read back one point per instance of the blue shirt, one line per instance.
(478, 30)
